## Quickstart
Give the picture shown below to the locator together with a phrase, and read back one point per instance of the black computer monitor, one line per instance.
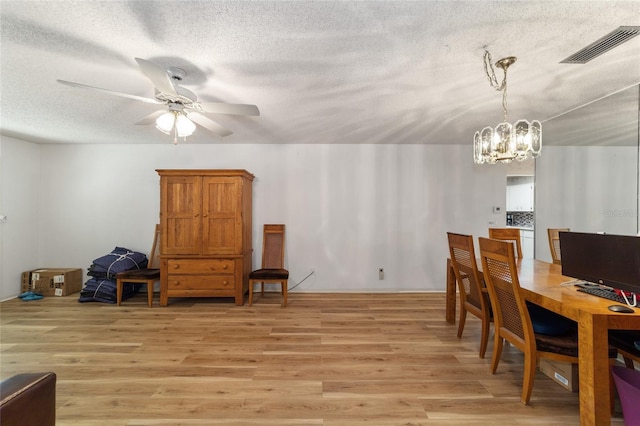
(612, 260)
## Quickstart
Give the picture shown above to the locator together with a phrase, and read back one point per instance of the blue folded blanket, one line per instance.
(120, 259)
(102, 290)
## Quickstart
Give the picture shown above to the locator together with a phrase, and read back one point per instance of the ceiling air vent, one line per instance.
(606, 43)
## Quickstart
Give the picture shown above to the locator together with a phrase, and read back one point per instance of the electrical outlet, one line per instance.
(381, 274)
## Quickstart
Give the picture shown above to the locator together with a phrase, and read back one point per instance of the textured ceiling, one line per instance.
(343, 72)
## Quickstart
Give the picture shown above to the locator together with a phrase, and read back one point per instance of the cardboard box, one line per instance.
(563, 373)
(52, 281)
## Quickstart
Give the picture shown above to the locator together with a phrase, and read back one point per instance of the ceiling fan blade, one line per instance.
(208, 124)
(151, 118)
(236, 109)
(158, 76)
(111, 92)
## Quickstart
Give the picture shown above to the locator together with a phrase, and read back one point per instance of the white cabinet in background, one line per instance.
(526, 241)
(520, 194)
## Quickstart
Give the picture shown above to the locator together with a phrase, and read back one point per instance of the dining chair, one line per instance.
(147, 276)
(512, 319)
(627, 342)
(473, 296)
(272, 270)
(554, 243)
(508, 234)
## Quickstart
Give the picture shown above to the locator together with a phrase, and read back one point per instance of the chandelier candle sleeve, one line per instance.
(505, 142)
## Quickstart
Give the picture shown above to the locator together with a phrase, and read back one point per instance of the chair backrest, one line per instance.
(510, 312)
(154, 254)
(554, 243)
(508, 234)
(273, 247)
(463, 259)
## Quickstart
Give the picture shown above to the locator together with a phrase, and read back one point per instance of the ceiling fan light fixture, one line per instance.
(165, 122)
(183, 107)
(184, 126)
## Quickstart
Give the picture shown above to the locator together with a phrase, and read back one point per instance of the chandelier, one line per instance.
(505, 142)
(175, 121)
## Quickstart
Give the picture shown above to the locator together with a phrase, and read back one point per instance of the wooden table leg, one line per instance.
(450, 294)
(593, 347)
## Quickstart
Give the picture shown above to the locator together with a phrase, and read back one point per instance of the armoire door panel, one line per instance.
(181, 206)
(221, 237)
(222, 225)
(180, 236)
(221, 195)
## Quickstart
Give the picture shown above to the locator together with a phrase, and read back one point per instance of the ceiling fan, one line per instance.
(183, 108)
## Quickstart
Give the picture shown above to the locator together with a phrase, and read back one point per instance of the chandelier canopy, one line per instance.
(505, 142)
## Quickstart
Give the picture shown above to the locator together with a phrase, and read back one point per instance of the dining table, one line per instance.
(542, 283)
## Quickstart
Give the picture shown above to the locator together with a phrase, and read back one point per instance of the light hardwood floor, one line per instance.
(326, 359)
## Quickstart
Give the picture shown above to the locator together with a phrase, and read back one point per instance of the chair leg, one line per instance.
(462, 321)
(497, 352)
(251, 283)
(628, 362)
(262, 288)
(484, 339)
(118, 292)
(530, 364)
(150, 285)
(284, 285)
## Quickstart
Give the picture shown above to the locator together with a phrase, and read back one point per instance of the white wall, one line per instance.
(586, 189)
(348, 209)
(19, 189)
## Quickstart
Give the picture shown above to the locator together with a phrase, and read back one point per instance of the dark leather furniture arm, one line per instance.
(28, 400)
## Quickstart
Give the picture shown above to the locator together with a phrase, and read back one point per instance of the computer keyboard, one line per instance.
(602, 292)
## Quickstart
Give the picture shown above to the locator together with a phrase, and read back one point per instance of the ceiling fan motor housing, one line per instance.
(176, 73)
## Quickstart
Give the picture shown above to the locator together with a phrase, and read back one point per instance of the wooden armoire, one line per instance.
(205, 221)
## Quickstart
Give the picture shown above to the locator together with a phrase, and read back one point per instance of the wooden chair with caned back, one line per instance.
(473, 297)
(508, 234)
(147, 276)
(554, 243)
(513, 321)
(272, 270)
(625, 342)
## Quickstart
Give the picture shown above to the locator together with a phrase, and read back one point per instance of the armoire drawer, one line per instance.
(201, 266)
(201, 282)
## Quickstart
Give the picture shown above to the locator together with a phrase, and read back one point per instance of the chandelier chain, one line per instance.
(493, 80)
